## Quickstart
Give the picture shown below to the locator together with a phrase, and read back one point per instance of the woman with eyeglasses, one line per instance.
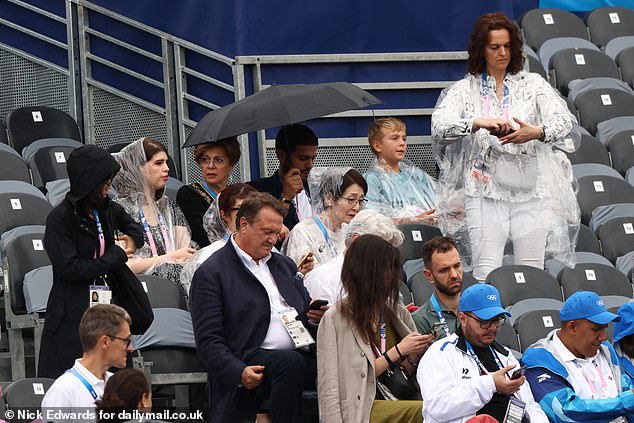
(216, 161)
(493, 134)
(337, 195)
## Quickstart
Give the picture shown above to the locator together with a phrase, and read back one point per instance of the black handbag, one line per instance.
(394, 384)
(128, 293)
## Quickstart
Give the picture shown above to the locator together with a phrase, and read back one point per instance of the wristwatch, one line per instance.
(285, 200)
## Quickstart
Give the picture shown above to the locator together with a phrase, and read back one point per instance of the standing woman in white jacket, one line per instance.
(362, 334)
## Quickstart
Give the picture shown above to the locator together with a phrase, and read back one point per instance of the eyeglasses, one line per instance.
(355, 201)
(218, 161)
(486, 324)
(127, 340)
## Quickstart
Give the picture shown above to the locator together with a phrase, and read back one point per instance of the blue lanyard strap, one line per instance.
(485, 97)
(210, 191)
(324, 231)
(477, 359)
(83, 380)
(438, 310)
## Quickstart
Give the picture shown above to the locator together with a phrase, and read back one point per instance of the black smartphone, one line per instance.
(518, 373)
(501, 134)
(315, 305)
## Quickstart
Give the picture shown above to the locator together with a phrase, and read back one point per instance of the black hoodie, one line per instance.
(72, 243)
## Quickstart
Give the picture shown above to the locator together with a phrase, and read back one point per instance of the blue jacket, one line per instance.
(548, 379)
(623, 328)
(231, 313)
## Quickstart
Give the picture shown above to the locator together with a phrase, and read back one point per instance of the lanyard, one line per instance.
(604, 385)
(148, 233)
(486, 105)
(477, 359)
(83, 380)
(324, 231)
(210, 191)
(102, 239)
(441, 318)
(296, 205)
(383, 333)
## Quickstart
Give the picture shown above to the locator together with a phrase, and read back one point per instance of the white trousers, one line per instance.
(490, 222)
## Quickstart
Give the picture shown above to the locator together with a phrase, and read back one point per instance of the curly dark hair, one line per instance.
(480, 37)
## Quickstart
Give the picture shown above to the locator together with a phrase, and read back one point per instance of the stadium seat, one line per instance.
(28, 124)
(554, 267)
(625, 264)
(580, 63)
(173, 172)
(540, 25)
(594, 169)
(599, 278)
(602, 214)
(607, 23)
(580, 86)
(47, 159)
(172, 186)
(535, 325)
(596, 106)
(406, 294)
(552, 46)
(595, 191)
(524, 306)
(21, 204)
(615, 46)
(56, 191)
(37, 287)
(590, 151)
(621, 148)
(617, 237)
(587, 241)
(416, 234)
(610, 127)
(13, 167)
(508, 337)
(534, 65)
(26, 394)
(625, 60)
(163, 293)
(519, 282)
(614, 301)
(629, 176)
(421, 288)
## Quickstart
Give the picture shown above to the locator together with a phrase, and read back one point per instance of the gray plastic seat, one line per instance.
(554, 267)
(406, 294)
(508, 337)
(37, 287)
(171, 327)
(47, 160)
(617, 237)
(610, 127)
(625, 60)
(534, 65)
(602, 214)
(163, 293)
(522, 307)
(594, 169)
(535, 325)
(607, 23)
(519, 282)
(580, 63)
(599, 278)
(56, 191)
(625, 263)
(595, 191)
(552, 46)
(13, 167)
(614, 301)
(621, 148)
(600, 105)
(416, 234)
(172, 186)
(629, 176)
(421, 288)
(587, 241)
(615, 46)
(579, 86)
(21, 204)
(32, 148)
(540, 25)
(26, 394)
(590, 151)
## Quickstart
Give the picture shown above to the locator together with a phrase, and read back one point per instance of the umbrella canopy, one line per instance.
(279, 105)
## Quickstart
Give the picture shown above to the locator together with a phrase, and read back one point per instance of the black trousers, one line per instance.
(286, 374)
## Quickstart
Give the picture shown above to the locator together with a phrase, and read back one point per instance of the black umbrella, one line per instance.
(279, 105)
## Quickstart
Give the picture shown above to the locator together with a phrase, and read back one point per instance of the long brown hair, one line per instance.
(371, 277)
(480, 37)
(123, 392)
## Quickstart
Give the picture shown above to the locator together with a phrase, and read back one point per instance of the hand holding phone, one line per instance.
(315, 305)
(303, 259)
(518, 373)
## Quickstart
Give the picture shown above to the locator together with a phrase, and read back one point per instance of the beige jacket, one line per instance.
(345, 368)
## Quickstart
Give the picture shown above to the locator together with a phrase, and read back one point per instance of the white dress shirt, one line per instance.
(324, 282)
(277, 338)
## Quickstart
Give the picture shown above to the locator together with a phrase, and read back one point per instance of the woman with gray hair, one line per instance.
(325, 281)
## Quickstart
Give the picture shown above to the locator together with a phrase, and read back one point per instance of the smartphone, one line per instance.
(438, 329)
(518, 373)
(501, 134)
(303, 259)
(316, 305)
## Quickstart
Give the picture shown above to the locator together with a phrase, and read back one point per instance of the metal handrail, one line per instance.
(36, 9)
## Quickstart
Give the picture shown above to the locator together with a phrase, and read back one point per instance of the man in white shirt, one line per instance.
(574, 372)
(242, 301)
(104, 332)
(324, 282)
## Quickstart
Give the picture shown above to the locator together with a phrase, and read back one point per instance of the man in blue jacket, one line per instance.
(242, 300)
(574, 372)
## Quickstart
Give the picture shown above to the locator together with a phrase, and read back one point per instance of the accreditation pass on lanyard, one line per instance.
(295, 328)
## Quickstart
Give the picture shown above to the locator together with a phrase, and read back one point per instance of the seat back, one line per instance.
(508, 337)
(590, 151)
(163, 293)
(599, 278)
(21, 204)
(625, 263)
(615, 46)
(591, 169)
(522, 307)
(26, 393)
(37, 287)
(621, 148)
(596, 106)
(519, 282)
(415, 235)
(617, 237)
(610, 127)
(540, 25)
(28, 124)
(552, 46)
(421, 288)
(171, 327)
(579, 86)
(587, 241)
(13, 167)
(625, 59)
(23, 248)
(535, 325)
(580, 63)
(602, 214)
(49, 164)
(406, 294)
(607, 23)
(595, 191)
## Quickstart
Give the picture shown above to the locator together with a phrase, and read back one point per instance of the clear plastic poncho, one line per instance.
(485, 188)
(399, 195)
(164, 225)
(324, 233)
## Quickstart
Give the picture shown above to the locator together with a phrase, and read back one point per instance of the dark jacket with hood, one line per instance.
(72, 243)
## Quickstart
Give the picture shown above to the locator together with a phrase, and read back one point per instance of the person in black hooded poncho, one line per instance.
(79, 258)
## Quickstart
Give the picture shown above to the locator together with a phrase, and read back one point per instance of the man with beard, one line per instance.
(444, 270)
(80, 241)
(469, 373)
